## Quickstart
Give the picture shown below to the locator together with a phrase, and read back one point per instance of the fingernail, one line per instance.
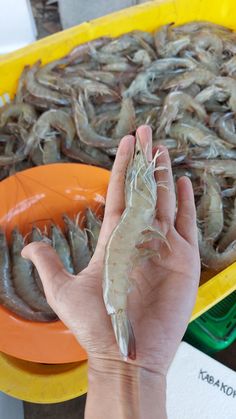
(146, 128)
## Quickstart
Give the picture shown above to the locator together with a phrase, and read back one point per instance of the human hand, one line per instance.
(159, 306)
(164, 288)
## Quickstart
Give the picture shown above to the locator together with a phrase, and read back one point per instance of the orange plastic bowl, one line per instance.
(39, 196)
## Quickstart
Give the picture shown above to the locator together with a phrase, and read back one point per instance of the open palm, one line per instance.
(164, 287)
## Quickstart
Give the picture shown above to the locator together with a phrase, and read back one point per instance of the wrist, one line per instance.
(126, 390)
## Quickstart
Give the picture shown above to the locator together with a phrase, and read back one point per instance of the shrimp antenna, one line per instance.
(152, 164)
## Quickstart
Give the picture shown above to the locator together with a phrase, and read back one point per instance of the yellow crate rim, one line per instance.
(215, 290)
(50, 384)
(39, 383)
(147, 16)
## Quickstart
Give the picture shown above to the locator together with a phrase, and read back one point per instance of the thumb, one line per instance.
(50, 268)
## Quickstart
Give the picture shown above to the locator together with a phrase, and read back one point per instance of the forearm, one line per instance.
(119, 390)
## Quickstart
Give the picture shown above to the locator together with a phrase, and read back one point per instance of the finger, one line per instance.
(50, 268)
(186, 223)
(144, 134)
(115, 194)
(115, 200)
(166, 200)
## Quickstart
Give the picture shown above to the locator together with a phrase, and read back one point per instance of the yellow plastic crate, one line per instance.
(144, 17)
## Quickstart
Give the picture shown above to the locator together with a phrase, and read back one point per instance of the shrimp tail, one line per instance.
(124, 334)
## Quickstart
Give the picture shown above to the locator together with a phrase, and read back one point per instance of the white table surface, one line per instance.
(198, 387)
(17, 26)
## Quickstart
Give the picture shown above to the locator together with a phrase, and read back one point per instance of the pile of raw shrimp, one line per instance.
(179, 80)
(21, 290)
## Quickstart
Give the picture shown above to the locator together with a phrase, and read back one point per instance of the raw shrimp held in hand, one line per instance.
(127, 240)
(164, 288)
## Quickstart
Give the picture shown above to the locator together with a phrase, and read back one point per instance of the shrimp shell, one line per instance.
(125, 43)
(229, 67)
(61, 247)
(137, 218)
(14, 158)
(80, 52)
(215, 260)
(230, 234)
(52, 80)
(42, 92)
(141, 57)
(23, 280)
(85, 131)
(87, 154)
(187, 132)
(51, 150)
(226, 168)
(159, 67)
(24, 112)
(8, 297)
(20, 92)
(175, 103)
(126, 121)
(173, 48)
(78, 240)
(93, 224)
(36, 236)
(210, 209)
(226, 130)
(228, 85)
(195, 26)
(200, 76)
(57, 119)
